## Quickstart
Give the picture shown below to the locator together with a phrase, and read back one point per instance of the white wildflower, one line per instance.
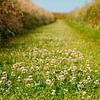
(53, 92)
(61, 77)
(84, 93)
(49, 82)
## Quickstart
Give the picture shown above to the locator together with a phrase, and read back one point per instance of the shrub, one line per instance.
(89, 14)
(18, 16)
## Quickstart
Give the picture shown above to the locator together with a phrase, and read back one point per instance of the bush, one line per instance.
(18, 16)
(89, 14)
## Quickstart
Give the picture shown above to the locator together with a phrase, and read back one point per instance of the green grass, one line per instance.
(53, 62)
(86, 30)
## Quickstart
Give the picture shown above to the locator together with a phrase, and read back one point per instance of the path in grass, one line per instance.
(55, 36)
(47, 74)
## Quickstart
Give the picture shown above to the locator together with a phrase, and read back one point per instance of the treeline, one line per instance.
(60, 15)
(19, 16)
(89, 14)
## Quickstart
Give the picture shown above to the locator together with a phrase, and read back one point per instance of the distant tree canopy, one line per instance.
(60, 15)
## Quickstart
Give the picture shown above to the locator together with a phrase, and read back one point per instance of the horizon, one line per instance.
(62, 6)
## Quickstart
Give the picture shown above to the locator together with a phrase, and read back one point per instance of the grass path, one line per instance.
(56, 36)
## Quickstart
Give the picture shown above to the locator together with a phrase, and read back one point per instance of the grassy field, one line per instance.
(54, 62)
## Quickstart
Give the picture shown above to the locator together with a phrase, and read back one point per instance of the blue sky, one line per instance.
(60, 5)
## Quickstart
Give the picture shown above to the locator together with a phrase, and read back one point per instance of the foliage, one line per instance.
(89, 14)
(16, 16)
(85, 30)
(60, 15)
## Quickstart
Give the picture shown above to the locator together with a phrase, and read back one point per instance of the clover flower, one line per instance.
(97, 82)
(65, 90)
(53, 92)
(19, 78)
(84, 93)
(15, 65)
(23, 70)
(12, 73)
(30, 77)
(9, 82)
(49, 82)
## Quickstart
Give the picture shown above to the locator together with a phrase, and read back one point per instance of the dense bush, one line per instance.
(89, 14)
(17, 16)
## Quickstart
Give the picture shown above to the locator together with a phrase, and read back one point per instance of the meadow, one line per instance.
(50, 63)
(59, 61)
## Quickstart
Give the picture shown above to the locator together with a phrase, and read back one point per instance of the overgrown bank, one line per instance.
(89, 14)
(85, 30)
(18, 16)
(86, 20)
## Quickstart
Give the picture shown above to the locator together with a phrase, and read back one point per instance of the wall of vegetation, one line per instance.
(89, 14)
(19, 16)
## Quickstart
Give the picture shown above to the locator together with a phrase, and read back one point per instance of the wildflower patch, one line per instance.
(52, 73)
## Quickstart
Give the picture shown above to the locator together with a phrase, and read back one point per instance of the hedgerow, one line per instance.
(19, 16)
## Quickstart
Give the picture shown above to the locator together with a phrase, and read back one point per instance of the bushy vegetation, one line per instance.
(60, 15)
(18, 16)
(89, 14)
(85, 30)
(86, 20)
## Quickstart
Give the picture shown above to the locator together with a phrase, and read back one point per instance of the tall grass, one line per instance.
(85, 30)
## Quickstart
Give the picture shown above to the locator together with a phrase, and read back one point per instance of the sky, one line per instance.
(60, 5)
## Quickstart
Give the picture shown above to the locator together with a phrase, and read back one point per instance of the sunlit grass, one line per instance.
(52, 62)
(86, 30)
